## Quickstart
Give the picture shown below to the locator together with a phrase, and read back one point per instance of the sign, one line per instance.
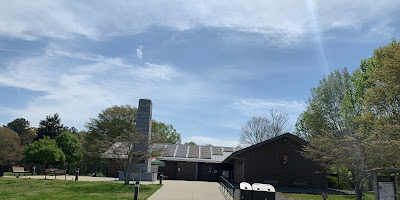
(324, 195)
(284, 159)
(386, 191)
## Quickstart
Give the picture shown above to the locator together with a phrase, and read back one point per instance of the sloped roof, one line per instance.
(195, 153)
(286, 135)
(178, 152)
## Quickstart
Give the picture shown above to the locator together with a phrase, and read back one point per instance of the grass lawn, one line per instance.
(21, 188)
(330, 197)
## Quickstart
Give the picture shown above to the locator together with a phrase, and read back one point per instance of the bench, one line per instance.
(19, 170)
(55, 172)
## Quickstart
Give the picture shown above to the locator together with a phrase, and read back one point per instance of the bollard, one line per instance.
(76, 174)
(136, 196)
(161, 177)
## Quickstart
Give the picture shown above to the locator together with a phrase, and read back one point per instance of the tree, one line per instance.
(355, 152)
(190, 143)
(44, 151)
(116, 137)
(19, 125)
(22, 127)
(323, 112)
(128, 150)
(70, 146)
(50, 127)
(10, 147)
(368, 135)
(108, 125)
(112, 120)
(382, 99)
(352, 106)
(259, 129)
(164, 133)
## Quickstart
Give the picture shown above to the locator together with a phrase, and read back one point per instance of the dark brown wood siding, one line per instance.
(264, 165)
(238, 170)
(169, 169)
(113, 169)
(186, 171)
(209, 171)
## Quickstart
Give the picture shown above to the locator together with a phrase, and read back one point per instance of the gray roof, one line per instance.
(195, 153)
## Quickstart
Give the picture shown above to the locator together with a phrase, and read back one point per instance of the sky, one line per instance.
(207, 66)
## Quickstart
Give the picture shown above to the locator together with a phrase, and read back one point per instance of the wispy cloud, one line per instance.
(139, 51)
(79, 85)
(264, 104)
(285, 21)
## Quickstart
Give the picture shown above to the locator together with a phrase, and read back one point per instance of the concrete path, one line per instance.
(188, 190)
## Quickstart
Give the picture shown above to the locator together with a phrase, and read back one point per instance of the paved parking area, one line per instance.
(188, 190)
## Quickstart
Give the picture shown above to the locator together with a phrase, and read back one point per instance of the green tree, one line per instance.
(190, 143)
(50, 127)
(44, 151)
(70, 146)
(112, 121)
(382, 99)
(19, 125)
(352, 107)
(10, 147)
(370, 123)
(117, 139)
(164, 133)
(22, 127)
(323, 112)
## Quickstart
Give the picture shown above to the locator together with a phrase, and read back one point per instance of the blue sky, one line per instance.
(208, 66)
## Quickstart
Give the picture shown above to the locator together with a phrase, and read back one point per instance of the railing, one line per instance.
(227, 189)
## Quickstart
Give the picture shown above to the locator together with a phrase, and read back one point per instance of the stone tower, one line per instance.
(143, 126)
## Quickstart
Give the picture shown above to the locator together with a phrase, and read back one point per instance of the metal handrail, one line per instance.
(226, 192)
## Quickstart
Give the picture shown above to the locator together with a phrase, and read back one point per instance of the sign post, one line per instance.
(386, 187)
(324, 195)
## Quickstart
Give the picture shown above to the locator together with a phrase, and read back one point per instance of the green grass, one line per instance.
(21, 188)
(330, 197)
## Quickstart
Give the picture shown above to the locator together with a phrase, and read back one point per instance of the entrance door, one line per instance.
(208, 172)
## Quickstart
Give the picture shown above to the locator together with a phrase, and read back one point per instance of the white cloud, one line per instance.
(79, 85)
(277, 21)
(201, 140)
(139, 51)
(264, 104)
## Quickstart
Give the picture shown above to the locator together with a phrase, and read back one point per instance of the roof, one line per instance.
(178, 152)
(384, 170)
(286, 135)
(195, 153)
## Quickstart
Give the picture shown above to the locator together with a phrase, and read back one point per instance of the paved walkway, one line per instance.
(188, 190)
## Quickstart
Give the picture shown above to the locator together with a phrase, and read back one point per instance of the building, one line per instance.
(278, 162)
(195, 162)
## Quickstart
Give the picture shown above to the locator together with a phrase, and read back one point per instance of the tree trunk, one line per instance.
(1, 170)
(359, 194)
(358, 189)
(127, 176)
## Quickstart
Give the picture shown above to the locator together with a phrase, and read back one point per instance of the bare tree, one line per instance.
(130, 149)
(259, 129)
